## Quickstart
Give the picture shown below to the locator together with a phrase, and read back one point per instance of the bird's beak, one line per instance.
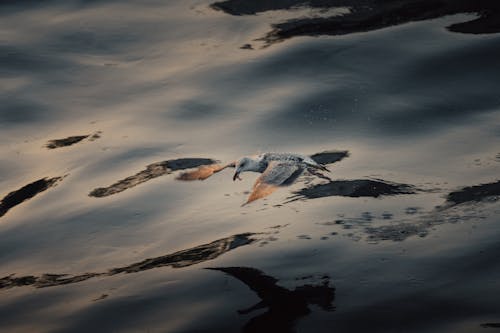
(236, 176)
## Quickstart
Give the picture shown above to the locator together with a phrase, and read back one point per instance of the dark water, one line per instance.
(103, 104)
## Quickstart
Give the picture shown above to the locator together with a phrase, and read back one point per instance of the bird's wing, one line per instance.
(203, 172)
(262, 284)
(277, 174)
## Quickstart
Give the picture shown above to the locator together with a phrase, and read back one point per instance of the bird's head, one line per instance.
(244, 164)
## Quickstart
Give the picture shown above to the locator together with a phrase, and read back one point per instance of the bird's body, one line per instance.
(277, 169)
(261, 161)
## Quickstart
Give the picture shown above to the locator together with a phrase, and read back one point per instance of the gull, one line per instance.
(277, 170)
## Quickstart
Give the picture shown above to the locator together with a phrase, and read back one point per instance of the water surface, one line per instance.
(105, 103)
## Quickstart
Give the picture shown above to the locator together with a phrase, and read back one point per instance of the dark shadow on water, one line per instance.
(152, 171)
(71, 140)
(100, 298)
(490, 325)
(399, 232)
(284, 306)
(474, 193)
(328, 157)
(450, 212)
(178, 259)
(26, 192)
(354, 188)
(368, 15)
(190, 256)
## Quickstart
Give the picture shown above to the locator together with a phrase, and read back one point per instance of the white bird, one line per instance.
(277, 169)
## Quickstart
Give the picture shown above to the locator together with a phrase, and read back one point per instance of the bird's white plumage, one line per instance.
(281, 173)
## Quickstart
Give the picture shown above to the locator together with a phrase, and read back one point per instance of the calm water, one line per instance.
(114, 99)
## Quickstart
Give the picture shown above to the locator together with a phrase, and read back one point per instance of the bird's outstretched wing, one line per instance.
(204, 171)
(262, 284)
(277, 174)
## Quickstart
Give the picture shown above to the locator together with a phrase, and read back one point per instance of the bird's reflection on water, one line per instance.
(284, 306)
